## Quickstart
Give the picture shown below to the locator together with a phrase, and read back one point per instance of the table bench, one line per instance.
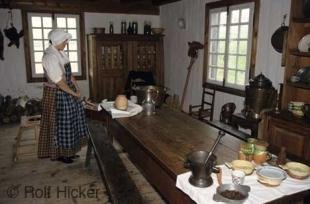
(120, 186)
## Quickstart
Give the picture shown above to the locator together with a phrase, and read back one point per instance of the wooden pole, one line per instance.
(189, 69)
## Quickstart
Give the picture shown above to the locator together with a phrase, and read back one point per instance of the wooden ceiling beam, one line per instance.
(140, 7)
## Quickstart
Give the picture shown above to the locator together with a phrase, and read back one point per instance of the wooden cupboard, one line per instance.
(112, 56)
(294, 59)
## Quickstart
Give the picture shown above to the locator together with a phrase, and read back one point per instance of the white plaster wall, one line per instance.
(268, 61)
(13, 70)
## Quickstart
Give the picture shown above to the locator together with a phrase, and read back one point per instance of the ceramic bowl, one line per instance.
(270, 175)
(157, 31)
(304, 44)
(243, 165)
(297, 170)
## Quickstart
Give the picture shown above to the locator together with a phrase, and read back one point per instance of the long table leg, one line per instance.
(88, 153)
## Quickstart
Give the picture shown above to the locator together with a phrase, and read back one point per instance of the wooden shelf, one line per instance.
(298, 85)
(300, 54)
(301, 20)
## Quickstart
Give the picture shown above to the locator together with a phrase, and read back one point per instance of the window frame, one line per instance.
(251, 47)
(29, 50)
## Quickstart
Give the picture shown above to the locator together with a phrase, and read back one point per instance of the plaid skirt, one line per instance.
(56, 139)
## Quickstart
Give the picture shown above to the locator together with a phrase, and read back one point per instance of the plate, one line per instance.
(304, 44)
(269, 175)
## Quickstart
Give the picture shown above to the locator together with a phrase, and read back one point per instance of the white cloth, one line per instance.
(58, 36)
(133, 109)
(53, 63)
(258, 194)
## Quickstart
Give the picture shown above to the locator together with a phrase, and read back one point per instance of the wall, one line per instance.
(268, 61)
(13, 71)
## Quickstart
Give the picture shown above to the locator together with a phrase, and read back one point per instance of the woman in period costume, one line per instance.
(63, 125)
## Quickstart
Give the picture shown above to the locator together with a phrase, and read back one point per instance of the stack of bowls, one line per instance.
(296, 108)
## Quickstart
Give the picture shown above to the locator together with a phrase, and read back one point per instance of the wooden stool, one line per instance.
(26, 123)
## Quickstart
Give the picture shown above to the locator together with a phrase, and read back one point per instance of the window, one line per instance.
(39, 25)
(229, 37)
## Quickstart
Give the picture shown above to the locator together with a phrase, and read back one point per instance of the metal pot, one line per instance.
(156, 93)
(259, 95)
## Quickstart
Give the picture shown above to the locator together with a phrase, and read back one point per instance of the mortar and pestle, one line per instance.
(202, 164)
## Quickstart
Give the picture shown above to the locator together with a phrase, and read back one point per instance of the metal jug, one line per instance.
(148, 103)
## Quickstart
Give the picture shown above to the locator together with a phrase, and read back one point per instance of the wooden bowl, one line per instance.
(157, 31)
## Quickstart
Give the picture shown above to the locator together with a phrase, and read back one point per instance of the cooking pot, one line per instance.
(156, 93)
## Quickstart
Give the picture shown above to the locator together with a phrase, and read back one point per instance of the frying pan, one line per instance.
(277, 37)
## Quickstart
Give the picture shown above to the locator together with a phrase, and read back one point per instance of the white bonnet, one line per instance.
(58, 36)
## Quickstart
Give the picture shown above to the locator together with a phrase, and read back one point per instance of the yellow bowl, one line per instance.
(297, 170)
(157, 31)
(243, 165)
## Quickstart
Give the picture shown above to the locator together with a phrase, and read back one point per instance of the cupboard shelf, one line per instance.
(295, 52)
(298, 85)
(301, 20)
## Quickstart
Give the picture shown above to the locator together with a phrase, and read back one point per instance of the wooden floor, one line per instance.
(41, 181)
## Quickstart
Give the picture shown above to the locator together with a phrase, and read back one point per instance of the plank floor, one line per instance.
(41, 181)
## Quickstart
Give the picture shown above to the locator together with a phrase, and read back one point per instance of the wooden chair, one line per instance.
(27, 122)
(205, 110)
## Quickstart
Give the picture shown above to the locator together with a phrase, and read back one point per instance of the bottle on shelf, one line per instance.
(129, 29)
(111, 29)
(123, 27)
(135, 27)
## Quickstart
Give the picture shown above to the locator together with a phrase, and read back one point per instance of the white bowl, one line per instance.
(304, 44)
(270, 176)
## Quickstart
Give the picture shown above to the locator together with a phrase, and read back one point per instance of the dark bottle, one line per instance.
(146, 28)
(129, 29)
(123, 27)
(111, 29)
(282, 156)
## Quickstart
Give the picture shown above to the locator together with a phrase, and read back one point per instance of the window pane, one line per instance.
(240, 78)
(231, 76)
(212, 61)
(38, 56)
(235, 16)
(223, 17)
(233, 47)
(47, 22)
(36, 21)
(222, 32)
(71, 22)
(73, 33)
(244, 30)
(214, 18)
(213, 46)
(220, 60)
(212, 73)
(73, 45)
(214, 32)
(36, 33)
(74, 67)
(38, 45)
(241, 62)
(232, 61)
(243, 46)
(233, 32)
(45, 32)
(221, 46)
(245, 13)
(219, 74)
(61, 22)
(39, 68)
(73, 56)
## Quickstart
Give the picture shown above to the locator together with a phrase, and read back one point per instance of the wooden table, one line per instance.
(158, 146)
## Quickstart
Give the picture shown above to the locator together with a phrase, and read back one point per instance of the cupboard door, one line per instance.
(111, 69)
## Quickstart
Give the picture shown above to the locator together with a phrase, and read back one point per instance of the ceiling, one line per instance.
(150, 7)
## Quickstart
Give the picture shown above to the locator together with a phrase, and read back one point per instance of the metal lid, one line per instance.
(261, 81)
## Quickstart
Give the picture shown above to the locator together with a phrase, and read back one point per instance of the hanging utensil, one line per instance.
(277, 37)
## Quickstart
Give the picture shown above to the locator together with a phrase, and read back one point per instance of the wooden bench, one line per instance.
(120, 186)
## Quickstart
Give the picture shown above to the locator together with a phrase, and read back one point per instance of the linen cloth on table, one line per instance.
(132, 110)
(259, 193)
